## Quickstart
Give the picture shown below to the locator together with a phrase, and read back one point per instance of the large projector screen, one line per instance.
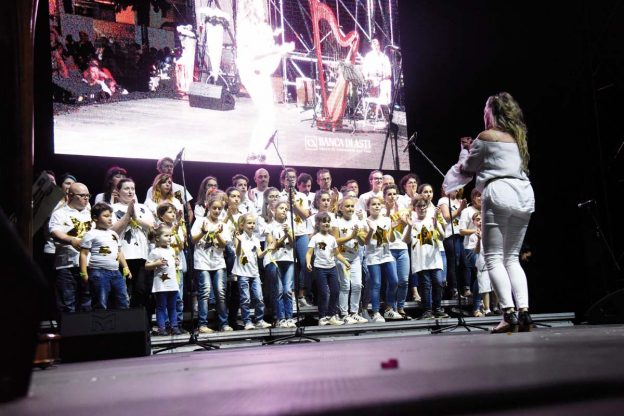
(321, 80)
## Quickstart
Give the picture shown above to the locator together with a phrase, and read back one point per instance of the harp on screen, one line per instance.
(334, 52)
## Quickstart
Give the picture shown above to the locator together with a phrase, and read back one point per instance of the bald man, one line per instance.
(256, 195)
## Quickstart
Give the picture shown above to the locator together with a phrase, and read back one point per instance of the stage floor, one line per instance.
(571, 371)
(155, 127)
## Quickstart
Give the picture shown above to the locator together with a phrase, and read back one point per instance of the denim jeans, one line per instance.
(350, 281)
(365, 283)
(375, 271)
(72, 291)
(454, 249)
(471, 270)
(216, 279)
(328, 289)
(104, 283)
(250, 291)
(281, 278)
(166, 308)
(180, 300)
(431, 288)
(304, 278)
(401, 256)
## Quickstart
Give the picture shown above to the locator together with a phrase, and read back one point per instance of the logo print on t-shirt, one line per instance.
(104, 250)
(425, 237)
(80, 228)
(322, 245)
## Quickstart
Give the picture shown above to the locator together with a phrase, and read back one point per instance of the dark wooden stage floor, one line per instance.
(154, 127)
(573, 371)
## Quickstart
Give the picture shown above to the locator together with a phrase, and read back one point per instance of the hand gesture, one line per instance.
(162, 262)
(359, 214)
(309, 266)
(131, 209)
(371, 225)
(347, 265)
(75, 243)
(463, 204)
(219, 228)
(355, 231)
(271, 246)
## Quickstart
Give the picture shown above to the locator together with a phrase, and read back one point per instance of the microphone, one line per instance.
(178, 158)
(586, 203)
(393, 47)
(271, 140)
(411, 140)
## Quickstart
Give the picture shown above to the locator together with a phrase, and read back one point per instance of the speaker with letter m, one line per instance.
(214, 97)
(104, 334)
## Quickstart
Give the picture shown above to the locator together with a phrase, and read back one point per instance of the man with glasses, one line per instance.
(324, 181)
(375, 179)
(67, 226)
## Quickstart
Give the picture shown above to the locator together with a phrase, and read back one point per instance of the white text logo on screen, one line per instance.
(339, 144)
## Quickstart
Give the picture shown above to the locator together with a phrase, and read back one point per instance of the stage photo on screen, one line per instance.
(227, 80)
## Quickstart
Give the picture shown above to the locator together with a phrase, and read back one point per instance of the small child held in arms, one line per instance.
(248, 251)
(163, 261)
(325, 249)
(100, 258)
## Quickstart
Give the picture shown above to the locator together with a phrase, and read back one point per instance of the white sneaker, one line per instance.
(336, 320)
(324, 321)
(249, 326)
(359, 319)
(366, 316)
(282, 323)
(226, 328)
(261, 324)
(377, 318)
(291, 323)
(392, 315)
(349, 320)
(303, 303)
(205, 330)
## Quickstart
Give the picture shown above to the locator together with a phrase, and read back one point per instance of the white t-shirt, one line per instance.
(378, 248)
(246, 263)
(103, 246)
(134, 243)
(283, 253)
(230, 224)
(260, 230)
(178, 191)
(465, 221)
(454, 205)
(472, 241)
(71, 222)
(199, 211)
(208, 254)
(399, 231)
(324, 246)
(351, 248)
(165, 277)
(405, 202)
(300, 200)
(425, 247)
(258, 200)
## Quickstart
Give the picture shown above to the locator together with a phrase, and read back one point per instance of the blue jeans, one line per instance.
(388, 269)
(304, 278)
(166, 308)
(250, 291)
(328, 289)
(72, 291)
(401, 256)
(281, 278)
(443, 255)
(471, 264)
(365, 284)
(104, 282)
(180, 300)
(470, 261)
(431, 288)
(218, 280)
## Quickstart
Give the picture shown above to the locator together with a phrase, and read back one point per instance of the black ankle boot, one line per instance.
(525, 322)
(509, 324)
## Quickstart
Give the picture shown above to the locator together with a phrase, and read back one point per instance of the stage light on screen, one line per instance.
(220, 88)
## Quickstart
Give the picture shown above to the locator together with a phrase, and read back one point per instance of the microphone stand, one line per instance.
(389, 128)
(193, 337)
(461, 322)
(299, 334)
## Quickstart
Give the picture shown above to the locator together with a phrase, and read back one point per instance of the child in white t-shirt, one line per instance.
(99, 251)
(163, 261)
(325, 249)
(248, 251)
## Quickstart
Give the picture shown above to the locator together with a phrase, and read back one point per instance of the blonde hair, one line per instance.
(507, 116)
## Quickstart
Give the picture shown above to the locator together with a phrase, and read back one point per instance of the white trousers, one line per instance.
(505, 211)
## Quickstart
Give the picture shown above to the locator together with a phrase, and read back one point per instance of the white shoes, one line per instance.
(324, 321)
(359, 319)
(249, 326)
(392, 315)
(205, 330)
(366, 316)
(349, 320)
(261, 324)
(226, 328)
(336, 320)
(377, 318)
